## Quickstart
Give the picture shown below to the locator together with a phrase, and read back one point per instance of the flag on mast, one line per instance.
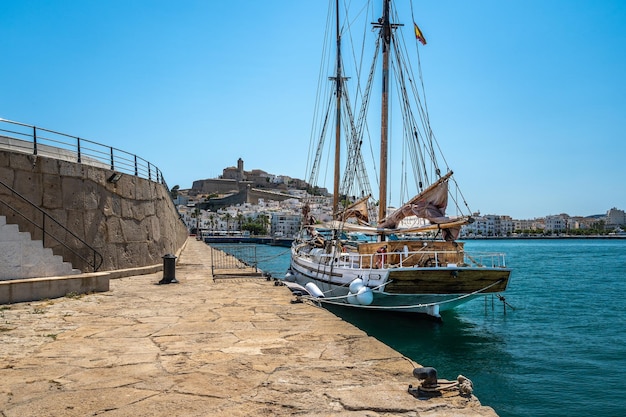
(418, 34)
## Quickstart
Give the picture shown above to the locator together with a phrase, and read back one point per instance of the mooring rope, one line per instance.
(273, 256)
(331, 300)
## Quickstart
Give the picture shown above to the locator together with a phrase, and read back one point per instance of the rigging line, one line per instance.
(358, 63)
(419, 66)
(320, 123)
(328, 154)
(410, 124)
(427, 132)
(362, 126)
(421, 101)
(355, 158)
(405, 68)
(430, 133)
(321, 92)
(462, 196)
(354, 161)
(314, 173)
(430, 142)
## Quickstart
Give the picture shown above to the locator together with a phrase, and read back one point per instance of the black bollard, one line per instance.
(427, 374)
(169, 270)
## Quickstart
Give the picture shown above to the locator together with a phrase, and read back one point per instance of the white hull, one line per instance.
(333, 276)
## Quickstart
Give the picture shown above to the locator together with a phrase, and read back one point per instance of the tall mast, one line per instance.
(385, 33)
(339, 92)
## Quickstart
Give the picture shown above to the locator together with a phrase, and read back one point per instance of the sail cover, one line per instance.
(357, 210)
(430, 204)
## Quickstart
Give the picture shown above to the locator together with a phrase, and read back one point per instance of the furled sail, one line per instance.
(357, 210)
(431, 205)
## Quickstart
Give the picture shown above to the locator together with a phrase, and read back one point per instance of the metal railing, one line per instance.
(234, 261)
(38, 141)
(424, 258)
(94, 260)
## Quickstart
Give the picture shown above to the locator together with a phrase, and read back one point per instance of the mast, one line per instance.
(385, 33)
(339, 93)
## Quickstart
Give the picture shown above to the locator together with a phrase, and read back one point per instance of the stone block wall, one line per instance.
(132, 223)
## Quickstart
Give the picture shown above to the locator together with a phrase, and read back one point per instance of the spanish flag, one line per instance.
(418, 34)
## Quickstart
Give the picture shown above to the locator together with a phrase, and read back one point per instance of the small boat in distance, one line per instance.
(409, 259)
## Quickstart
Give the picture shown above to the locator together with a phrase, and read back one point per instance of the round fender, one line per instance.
(365, 296)
(314, 290)
(356, 285)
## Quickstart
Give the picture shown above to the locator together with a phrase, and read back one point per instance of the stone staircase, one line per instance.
(21, 257)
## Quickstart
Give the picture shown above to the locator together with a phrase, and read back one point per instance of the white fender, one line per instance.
(356, 285)
(352, 299)
(433, 310)
(365, 296)
(314, 290)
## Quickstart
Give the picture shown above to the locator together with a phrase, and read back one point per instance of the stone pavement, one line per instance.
(235, 347)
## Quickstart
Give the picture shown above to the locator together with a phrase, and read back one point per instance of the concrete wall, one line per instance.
(132, 223)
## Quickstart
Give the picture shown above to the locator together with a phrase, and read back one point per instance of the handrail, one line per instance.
(40, 141)
(367, 260)
(97, 260)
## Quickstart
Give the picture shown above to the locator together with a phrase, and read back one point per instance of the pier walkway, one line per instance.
(233, 347)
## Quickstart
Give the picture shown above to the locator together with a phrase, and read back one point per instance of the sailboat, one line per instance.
(365, 254)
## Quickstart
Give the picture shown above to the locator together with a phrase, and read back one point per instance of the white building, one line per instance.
(555, 223)
(615, 218)
(489, 225)
(285, 224)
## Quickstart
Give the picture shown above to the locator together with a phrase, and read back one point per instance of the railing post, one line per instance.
(112, 164)
(149, 172)
(43, 229)
(136, 170)
(78, 149)
(34, 140)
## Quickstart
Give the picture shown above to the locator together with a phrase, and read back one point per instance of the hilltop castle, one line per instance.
(237, 186)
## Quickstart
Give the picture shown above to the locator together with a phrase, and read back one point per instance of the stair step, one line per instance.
(22, 257)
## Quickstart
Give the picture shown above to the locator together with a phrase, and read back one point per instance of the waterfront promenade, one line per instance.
(233, 347)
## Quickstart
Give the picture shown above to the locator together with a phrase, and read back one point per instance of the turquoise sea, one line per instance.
(560, 352)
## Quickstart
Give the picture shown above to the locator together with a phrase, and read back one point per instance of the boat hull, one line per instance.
(426, 290)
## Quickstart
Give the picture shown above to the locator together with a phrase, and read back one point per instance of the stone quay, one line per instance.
(201, 347)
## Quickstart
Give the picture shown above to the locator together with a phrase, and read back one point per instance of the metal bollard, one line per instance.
(427, 374)
(169, 270)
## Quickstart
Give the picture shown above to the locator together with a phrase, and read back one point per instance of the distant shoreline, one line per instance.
(286, 242)
(545, 237)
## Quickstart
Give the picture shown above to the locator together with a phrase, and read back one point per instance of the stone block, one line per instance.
(132, 230)
(97, 175)
(49, 166)
(112, 206)
(68, 169)
(52, 185)
(22, 161)
(114, 231)
(73, 193)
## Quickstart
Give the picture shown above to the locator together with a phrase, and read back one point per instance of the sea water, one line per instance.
(560, 352)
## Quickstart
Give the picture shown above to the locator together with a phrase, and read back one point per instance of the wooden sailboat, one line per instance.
(383, 264)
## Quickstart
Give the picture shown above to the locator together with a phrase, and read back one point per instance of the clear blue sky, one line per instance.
(527, 97)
